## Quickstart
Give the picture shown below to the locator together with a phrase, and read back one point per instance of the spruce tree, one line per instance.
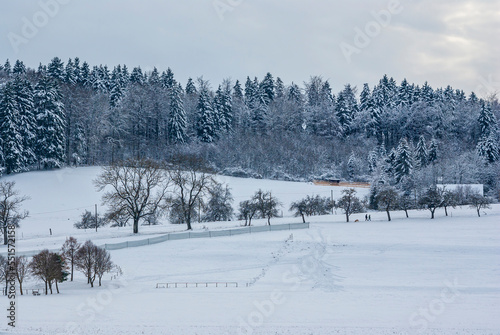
(403, 164)
(191, 87)
(279, 88)
(11, 138)
(237, 91)
(488, 148)
(19, 68)
(177, 117)
(206, 126)
(421, 154)
(267, 88)
(433, 152)
(55, 69)
(7, 69)
(23, 95)
(223, 107)
(49, 111)
(487, 121)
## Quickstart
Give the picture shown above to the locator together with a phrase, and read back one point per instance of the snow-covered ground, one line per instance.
(407, 276)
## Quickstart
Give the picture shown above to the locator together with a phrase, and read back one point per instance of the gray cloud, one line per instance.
(446, 42)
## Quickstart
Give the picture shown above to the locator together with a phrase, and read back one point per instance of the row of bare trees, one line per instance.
(137, 189)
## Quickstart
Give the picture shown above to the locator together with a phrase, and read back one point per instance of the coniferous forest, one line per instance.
(73, 114)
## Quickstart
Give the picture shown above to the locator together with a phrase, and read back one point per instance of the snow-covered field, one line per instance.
(408, 276)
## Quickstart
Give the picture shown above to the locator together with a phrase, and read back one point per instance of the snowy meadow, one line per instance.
(408, 276)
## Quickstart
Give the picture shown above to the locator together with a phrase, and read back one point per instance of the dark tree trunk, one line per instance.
(478, 214)
(5, 240)
(303, 218)
(432, 213)
(136, 225)
(46, 290)
(445, 211)
(347, 217)
(406, 212)
(72, 265)
(388, 214)
(57, 287)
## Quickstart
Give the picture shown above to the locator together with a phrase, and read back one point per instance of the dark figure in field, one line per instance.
(369, 217)
(366, 217)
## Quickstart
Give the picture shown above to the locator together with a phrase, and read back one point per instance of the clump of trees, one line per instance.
(50, 268)
(263, 204)
(309, 206)
(89, 220)
(93, 262)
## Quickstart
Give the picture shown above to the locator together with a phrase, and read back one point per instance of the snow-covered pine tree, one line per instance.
(404, 94)
(433, 152)
(19, 68)
(421, 154)
(294, 94)
(365, 102)
(346, 109)
(237, 91)
(205, 126)
(167, 79)
(267, 88)
(97, 81)
(55, 69)
(23, 95)
(191, 87)
(223, 105)
(279, 88)
(488, 148)
(136, 77)
(177, 117)
(69, 72)
(84, 75)
(403, 164)
(49, 111)
(249, 93)
(10, 133)
(487, 121)
(7, 69)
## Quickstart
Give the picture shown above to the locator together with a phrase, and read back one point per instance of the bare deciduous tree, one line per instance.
(248, 209)
(192, 183)
(432, 199)
(22, 270)
(478, 202)
(85, 261)
(69, 249)
(102, 263)
(349, 203)
(387, 199)
(10, 202)
(266, 204)
(138, 188)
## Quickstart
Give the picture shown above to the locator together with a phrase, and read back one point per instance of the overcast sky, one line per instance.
(443, 42)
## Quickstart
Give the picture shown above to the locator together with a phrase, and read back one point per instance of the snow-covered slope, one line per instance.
(407, 276)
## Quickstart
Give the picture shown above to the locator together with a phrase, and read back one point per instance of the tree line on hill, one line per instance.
(74, 114)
